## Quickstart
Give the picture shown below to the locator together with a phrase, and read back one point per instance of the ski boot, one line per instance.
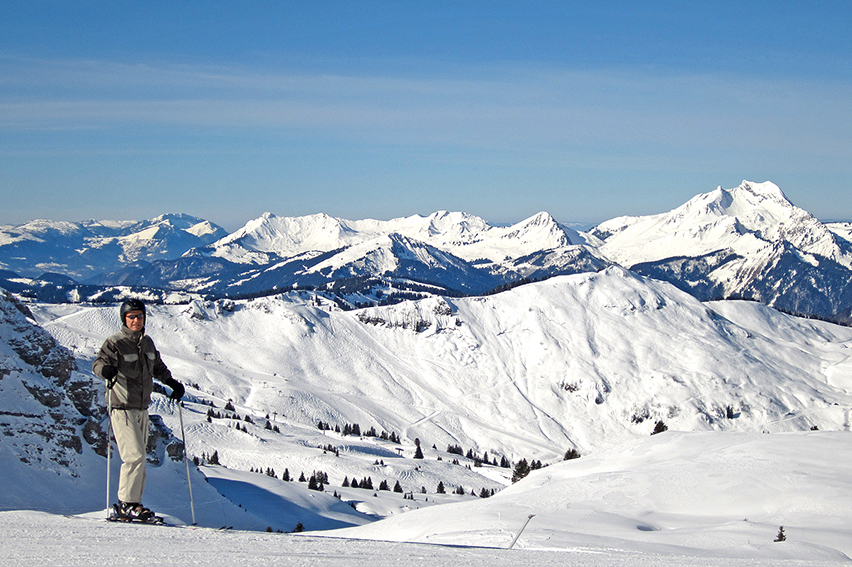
(133, 512)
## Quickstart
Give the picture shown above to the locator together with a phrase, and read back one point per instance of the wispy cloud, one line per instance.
(499, 107)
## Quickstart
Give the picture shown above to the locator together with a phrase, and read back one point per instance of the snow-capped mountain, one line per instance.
(463, 235)
(84, 249)
(745, 220)
(748, 242)
(361, 272)
(444, 253)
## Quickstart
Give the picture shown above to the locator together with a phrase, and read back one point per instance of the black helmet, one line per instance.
(131, 305)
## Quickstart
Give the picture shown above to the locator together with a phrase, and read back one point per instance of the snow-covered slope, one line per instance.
(588, 361)
(675, 499)
(725, 494)
(577, 361)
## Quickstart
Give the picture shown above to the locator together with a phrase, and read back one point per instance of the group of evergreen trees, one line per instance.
(355, 429)
(366, 483)
(211, 415)
(477, 460)
(523, 468)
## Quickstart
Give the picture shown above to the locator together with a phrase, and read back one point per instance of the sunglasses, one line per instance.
(135, 316)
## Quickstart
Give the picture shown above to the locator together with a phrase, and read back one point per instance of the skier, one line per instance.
(129, 361)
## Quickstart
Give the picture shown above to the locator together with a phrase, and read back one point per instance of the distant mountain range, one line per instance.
(747, 242)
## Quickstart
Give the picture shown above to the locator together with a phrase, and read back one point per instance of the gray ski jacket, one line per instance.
(138, 362)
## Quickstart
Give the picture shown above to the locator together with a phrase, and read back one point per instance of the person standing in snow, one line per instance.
(129, 362)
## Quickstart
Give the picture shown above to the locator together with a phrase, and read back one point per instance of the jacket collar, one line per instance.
(134, 335)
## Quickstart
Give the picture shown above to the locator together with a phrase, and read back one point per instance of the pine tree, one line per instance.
(781, 535)
(522, 469)
(418, 454)
(441, 489)
(214, 458)
(397, 487)
(660, 427)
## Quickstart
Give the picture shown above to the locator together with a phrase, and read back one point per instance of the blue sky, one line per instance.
(225, 110)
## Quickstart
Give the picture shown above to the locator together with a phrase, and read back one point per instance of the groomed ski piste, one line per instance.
(672, 499)
(571, 362)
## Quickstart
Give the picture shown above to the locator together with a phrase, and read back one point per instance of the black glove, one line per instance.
(177, 389)
(109, 373)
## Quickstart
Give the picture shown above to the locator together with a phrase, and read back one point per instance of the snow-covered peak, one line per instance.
(542, 228)
(745, 220)
(206, 230)
(283, 236)
(39, 230)
(178, 220)
(461, 227)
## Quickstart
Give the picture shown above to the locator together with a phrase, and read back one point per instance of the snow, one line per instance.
(48, 540)
(589, 361)
(723, 493)
(841, 229)
(672, 499)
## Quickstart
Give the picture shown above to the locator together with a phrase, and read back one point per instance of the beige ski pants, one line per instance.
(130, 428)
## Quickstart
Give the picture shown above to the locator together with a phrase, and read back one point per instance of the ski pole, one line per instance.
(186, 461)
(520, 531)
(109, 444)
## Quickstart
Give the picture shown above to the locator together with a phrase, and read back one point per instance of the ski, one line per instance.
(152, 520)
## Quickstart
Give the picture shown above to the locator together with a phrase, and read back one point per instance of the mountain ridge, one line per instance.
(746, 242)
